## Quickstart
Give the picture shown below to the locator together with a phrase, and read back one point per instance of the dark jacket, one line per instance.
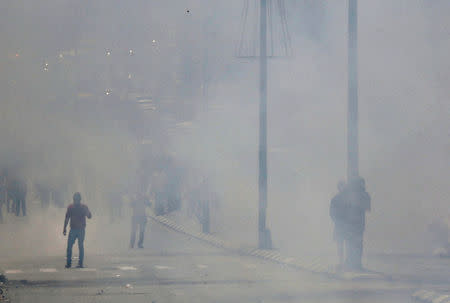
(359, 204)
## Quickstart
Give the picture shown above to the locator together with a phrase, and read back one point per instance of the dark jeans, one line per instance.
(21, 203)
(205, 220)
(73, 235)
(135, 222)
(354, 250)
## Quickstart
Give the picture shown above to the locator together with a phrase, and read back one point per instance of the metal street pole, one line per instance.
(264, 238)
(352, 115)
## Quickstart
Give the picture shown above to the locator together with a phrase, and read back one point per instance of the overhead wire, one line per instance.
(255, 29)
(244, 17)
(270, 23)
(284, 23)
(249, 36)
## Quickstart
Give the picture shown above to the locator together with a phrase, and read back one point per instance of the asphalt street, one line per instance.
(175, 268)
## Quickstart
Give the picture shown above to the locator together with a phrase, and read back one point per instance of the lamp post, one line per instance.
(352, 115)
(264, 238)
(246, 50)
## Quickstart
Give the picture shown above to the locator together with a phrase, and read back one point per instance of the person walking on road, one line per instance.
(76, 213)
(18, 191)
(21, 198)
(3, 195)
(138, 219)
(338, 211)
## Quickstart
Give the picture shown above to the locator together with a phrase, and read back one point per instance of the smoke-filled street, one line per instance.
(224, 151)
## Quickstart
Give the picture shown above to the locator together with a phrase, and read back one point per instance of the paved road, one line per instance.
(174, 268)
(421, 270)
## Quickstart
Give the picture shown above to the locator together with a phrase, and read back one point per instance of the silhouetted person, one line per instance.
(3, 195)
(10, 197)
(338, 212)
(439, 234)
(77, 214)
(138, 219)
(58, 198)
(161, 201)
(19, 193)
(2, 202)
(115, 206)
(44, 195)
(359, 203)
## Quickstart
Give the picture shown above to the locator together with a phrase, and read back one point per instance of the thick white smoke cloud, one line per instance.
(403, 129)
(404, 109)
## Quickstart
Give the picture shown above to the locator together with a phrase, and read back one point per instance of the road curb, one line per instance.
(427, 296)
(313, 266)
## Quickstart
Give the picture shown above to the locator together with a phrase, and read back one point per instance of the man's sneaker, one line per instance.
(80, 266)
(68, 266)
(140, 246)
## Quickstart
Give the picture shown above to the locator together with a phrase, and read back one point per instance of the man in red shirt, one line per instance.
(77, 214)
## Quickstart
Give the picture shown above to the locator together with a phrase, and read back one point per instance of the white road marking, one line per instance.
(86, 269)
(178, 292)
(127, 268)
(47, 270)
(250, 266)
(428, 295)
(163, 267)
(13, 271)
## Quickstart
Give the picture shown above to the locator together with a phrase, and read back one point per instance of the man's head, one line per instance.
(77, 198)
(358, 184)
(361, 183)
(341, 185)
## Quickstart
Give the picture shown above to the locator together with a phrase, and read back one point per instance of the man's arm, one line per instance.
(334, 205)
(66, 221)
(88, 213)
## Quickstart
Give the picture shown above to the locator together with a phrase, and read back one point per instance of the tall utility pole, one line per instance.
(267, 14)
(352, 115)
(264, 238)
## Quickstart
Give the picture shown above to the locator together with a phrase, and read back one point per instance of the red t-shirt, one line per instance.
(77, 215)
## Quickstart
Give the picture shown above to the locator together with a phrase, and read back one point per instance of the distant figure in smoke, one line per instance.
(439, 235)
(77, 214)
(58, 198)
(359, 203)
(18, 192)
(139, 219)
(338, 211)
(3, 194)
(44, 195)
(115, 206)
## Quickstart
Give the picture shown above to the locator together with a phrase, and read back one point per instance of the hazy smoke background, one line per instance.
(51, 136)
